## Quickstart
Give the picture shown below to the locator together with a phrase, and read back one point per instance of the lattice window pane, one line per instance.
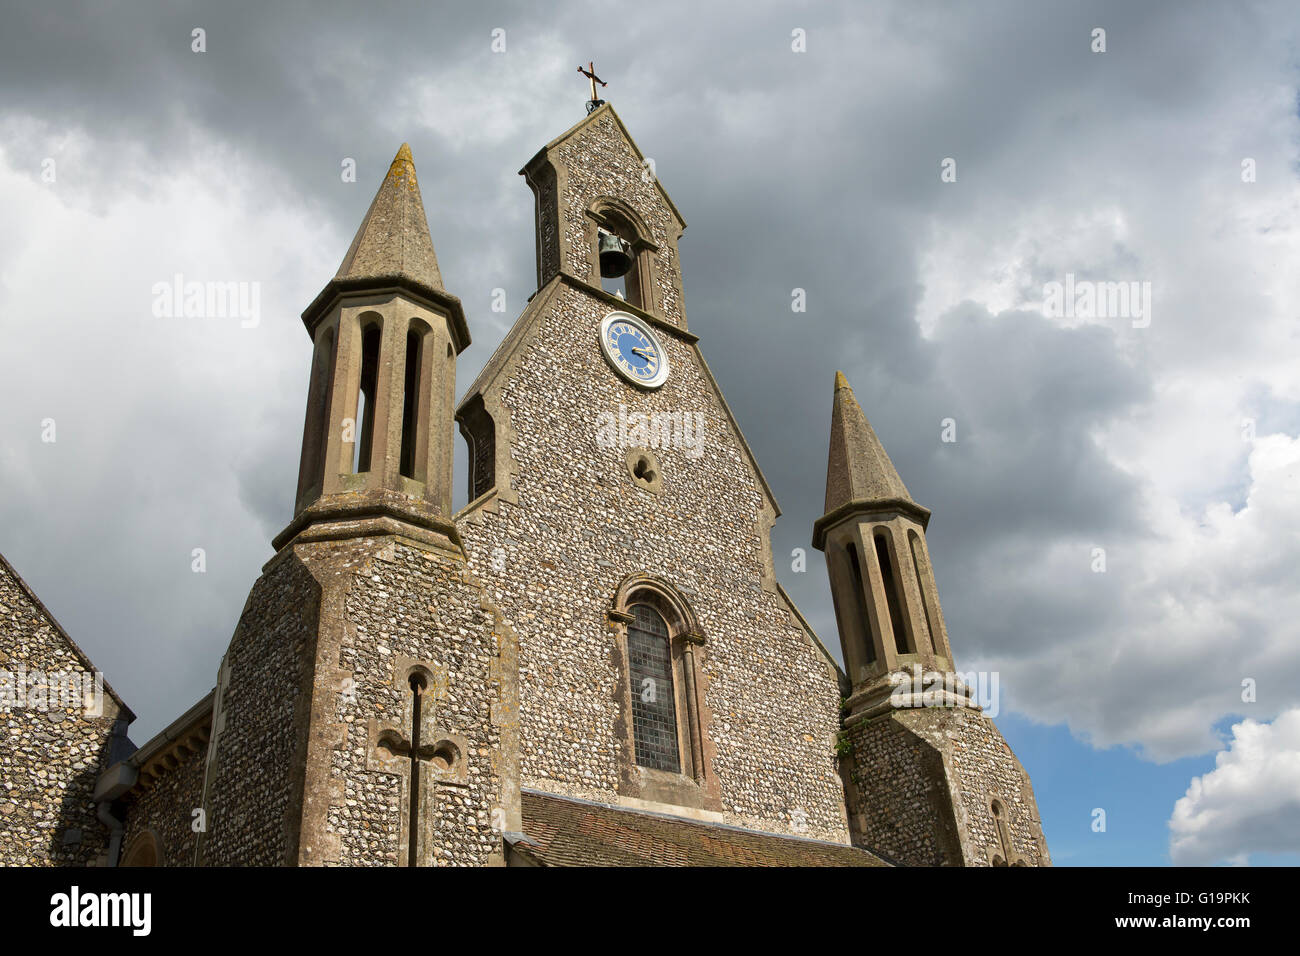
(654, 714)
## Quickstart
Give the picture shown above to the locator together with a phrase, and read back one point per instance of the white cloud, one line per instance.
(1249, 803)
(1200, 588)
(166, 428)
(1194, 604)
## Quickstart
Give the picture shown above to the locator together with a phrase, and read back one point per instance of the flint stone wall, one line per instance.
(405, 604)
(921, 782)
(581, 526)
(260, 722)
(166, 809)
(50, 756)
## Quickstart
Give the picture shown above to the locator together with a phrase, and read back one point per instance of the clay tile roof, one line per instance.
(563, 831)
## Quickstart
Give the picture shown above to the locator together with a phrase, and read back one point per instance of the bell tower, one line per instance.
(928, 778)
(376, 448)
(607, 219)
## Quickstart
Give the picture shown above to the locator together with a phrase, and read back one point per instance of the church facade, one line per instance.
(592, 662)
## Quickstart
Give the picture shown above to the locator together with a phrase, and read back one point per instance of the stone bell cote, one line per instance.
(593, 185)
(377, 442)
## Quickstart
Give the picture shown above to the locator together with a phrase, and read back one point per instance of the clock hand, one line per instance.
(641, 352)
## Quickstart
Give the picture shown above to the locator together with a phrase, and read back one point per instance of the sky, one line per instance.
(1115, 492)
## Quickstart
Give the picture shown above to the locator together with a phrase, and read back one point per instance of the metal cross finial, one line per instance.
(590, 74)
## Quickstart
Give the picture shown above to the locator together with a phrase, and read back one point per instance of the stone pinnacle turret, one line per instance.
(376, 452)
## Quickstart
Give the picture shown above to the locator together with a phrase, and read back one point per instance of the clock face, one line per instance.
(633, 350)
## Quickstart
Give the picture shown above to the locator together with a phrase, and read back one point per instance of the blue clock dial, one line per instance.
(633, 350)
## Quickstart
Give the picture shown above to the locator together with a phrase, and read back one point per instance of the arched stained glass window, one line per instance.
(654, 712)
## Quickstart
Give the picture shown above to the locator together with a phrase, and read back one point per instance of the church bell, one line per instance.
(615, 255)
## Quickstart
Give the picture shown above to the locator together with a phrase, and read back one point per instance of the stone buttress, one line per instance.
(365, 713)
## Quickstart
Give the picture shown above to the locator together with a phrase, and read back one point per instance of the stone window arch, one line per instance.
(479, 431)
(415, 399)
(653, 690)
(658, 638)
(882, 538)
(370, 329)
(611, 215)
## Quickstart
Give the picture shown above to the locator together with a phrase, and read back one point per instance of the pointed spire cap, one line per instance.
(394, 237)
(859, 474)
(393, 247)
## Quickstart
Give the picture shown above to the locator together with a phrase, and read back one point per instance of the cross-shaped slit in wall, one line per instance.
(418, 685)
(411, 748)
